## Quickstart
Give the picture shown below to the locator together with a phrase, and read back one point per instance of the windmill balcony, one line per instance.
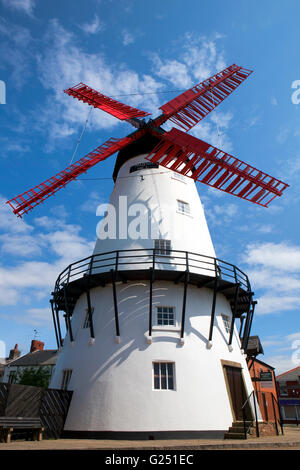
(122, 266)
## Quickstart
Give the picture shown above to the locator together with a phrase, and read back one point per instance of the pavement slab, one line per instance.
(290, 440)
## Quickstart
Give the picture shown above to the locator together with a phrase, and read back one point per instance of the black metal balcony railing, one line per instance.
(172, 260)
(153, 264)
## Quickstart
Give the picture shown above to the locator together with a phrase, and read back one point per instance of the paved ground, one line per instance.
(290, 440)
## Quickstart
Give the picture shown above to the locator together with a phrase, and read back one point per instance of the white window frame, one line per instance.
(162, 247)
(86, 322)
(183, 207)
(178, 177)
(226, 322)
(170, 384)
(169, 311)
(66, 377)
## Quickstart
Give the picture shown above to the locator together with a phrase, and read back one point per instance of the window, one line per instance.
(283, 389)
(163, 375)
(162, 247)
(165, 316)
(183, 207)
(12, 378)
(66, 378)
(86, 323)
(143, 166)
(178, 176)
(226, 321)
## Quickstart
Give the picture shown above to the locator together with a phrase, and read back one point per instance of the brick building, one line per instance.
(264, 381)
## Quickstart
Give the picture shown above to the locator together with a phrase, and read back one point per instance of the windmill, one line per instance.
(151, 346)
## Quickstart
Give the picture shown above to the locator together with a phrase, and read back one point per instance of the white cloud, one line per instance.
(282, 256)
(221, 214)
(35, 317)
(92, 202)
(19, 245)
(9, 222)
(270, 304)
(202, 56)
(32, 316)
(173, 71)
(19, 35)
(274, 271)
(93, 27)
(8, 295)
(213, 130)
(16, 52)
(265, 228)
(128, 38)
(26, 6)
(48, 236)
(282, 135)
(293, 336)
(280, 282)
(63, 63)
(274, 101)
(280, 362)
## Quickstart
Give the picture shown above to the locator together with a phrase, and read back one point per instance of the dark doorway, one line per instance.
(237, 393)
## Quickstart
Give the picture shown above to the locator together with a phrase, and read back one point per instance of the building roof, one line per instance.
(263, 363)
(288, 372)
(46, 357)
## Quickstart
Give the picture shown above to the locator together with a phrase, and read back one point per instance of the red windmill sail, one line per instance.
(121, 111)
(176, 150)
(203, 162)
(26, 201)
(187, 109)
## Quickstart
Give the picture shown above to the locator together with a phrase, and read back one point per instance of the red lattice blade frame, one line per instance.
(25, 202)
(121, 111)
(187, 109)
(203, 162)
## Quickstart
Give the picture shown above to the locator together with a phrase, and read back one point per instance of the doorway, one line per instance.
(237, 393)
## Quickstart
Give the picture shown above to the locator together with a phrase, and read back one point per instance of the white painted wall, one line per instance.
(158, 191)
(113, 383)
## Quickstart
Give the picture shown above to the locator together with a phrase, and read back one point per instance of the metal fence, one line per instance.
(139, 259)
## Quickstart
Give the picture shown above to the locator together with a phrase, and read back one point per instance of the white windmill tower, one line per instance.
(151, 348)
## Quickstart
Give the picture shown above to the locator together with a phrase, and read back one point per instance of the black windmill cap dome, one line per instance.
(143, 145)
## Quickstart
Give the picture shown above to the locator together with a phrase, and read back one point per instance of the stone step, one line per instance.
(238, 426)
(235, 430)
(241, 423)
(234, 435)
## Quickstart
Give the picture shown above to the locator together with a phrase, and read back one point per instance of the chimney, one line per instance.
(36, 345)
(14, 353)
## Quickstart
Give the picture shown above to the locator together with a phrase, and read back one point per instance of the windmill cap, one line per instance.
(139, 147)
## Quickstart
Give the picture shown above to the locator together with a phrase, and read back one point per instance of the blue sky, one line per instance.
(151, 48)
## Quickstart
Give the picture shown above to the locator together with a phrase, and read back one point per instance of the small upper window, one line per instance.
(165, 316)
(162, 247)
(178, 176)
(183, 207)
(143, 166)
(226, 321)
(86, 323)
